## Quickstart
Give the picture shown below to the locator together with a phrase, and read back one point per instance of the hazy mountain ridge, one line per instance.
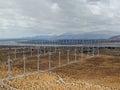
(115, 37)
(87, 35)
(76, 35)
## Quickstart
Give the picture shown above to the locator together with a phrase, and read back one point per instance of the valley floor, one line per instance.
(96, 73)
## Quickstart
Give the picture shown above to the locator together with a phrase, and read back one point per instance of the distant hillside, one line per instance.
(79, 35)
(115, 37)
(74, 35)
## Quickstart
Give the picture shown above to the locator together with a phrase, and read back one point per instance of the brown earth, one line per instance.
(100, 70)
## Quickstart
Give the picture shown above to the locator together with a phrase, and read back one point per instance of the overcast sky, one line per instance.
(20, 18)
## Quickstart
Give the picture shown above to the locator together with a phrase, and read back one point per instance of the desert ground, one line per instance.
(86, 73)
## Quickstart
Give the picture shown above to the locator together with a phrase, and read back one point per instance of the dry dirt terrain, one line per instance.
(17, 65)
(103, 70)
(52, 81)
(94, 73)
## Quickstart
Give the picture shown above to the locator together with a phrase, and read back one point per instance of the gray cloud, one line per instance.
(35, 17)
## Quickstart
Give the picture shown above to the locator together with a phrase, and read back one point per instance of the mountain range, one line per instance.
(77, 35)
(87, 35)
(115, 37)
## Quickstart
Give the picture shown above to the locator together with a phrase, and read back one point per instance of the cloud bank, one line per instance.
(20, 18)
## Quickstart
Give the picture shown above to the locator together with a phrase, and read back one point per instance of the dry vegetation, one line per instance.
(49, 81)
(88, 74)
(42, 81)
(103, 70)
(31, 64)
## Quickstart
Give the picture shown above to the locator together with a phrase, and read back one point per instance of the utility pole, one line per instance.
(9, 68)
(44, 50)
(98, 48)
(59, 58)
(82, 53)
(68, 59)
(38, 60)
(49, 60)
(93, 51)
(75, 55)
(15, 54)
(24, 63)
(31, 51)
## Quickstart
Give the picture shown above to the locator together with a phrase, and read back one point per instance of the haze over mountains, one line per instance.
(76, 35)
(87, 35)
(115, 37)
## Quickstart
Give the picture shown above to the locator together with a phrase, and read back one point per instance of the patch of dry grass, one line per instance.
(103, 70)
(48, 81)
